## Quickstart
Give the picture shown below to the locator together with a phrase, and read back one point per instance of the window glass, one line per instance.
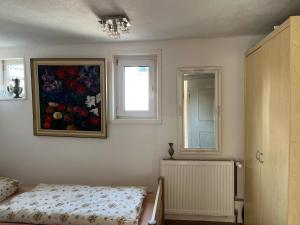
(15, 71)
(136, 88)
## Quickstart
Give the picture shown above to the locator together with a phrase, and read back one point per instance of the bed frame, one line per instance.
(157, 217)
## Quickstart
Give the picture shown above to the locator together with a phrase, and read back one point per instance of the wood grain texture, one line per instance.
(275, 126)
(273, 34)
(157, 217)
(272, 86)
(294, 174)
(253, 137)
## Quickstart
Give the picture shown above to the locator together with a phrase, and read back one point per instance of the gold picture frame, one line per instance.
(69, 97)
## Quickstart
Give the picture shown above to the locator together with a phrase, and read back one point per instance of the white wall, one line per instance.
(131, 154)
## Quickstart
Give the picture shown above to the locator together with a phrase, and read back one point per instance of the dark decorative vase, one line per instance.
(171, 151)
(16, 89)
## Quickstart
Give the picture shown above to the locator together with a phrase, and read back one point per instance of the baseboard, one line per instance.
(227, 219)
(187, 222)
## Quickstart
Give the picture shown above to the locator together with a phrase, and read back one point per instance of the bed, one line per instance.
(21, 207)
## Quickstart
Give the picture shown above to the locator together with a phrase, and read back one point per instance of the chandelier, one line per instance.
(115, 25)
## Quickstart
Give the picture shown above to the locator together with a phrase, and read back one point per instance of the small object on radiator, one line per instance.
(171, 150)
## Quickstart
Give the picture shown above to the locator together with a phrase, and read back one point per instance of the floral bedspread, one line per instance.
(75, 205)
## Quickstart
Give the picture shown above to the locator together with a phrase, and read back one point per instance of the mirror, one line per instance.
(199, 95)
(12, 79)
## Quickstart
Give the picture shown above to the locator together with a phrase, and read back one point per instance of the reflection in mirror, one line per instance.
(199, 105)
(12, 79)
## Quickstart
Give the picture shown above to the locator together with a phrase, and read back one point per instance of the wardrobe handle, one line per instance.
(257, 156)
(260, 160)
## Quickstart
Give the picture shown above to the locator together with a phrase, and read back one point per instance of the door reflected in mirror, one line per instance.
(199, 105)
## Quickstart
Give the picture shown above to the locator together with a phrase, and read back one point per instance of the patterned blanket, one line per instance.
(75, 205)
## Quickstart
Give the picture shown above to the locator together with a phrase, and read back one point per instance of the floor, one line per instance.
(182, 222)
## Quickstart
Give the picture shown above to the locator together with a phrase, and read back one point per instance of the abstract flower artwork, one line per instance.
(69, 97)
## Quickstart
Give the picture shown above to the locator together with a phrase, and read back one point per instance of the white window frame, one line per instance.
(4, 76)
(120, 60)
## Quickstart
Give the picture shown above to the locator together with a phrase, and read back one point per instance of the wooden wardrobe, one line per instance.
(272, 128)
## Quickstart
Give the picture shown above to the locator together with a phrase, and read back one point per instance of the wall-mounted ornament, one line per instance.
(69, 97)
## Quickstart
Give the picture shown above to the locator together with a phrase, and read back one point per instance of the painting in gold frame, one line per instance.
(69, 97)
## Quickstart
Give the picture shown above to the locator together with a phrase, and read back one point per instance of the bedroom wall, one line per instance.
(131, 154)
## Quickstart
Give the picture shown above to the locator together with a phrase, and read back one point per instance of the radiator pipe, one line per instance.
(237, 165)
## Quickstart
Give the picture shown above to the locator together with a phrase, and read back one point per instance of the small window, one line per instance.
(12, 71)
(136, 87)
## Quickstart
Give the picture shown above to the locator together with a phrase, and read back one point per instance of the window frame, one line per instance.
(121, 112)
(4, 80)
(121, 59)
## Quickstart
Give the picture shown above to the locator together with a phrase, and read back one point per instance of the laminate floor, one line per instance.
(183, 222)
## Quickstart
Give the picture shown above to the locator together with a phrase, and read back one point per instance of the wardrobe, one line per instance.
(272, 128)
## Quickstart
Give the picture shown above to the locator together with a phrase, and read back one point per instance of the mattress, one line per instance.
(76, 205)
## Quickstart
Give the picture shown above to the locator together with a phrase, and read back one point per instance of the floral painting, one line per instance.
(69, 97)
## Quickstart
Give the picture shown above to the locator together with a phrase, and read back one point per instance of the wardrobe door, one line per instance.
(253, 138)
(276, 106)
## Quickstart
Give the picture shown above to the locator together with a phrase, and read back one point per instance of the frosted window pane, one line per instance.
(137, 88)
(15, 71)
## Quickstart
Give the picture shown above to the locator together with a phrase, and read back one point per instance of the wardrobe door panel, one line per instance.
(275, 121)
(294, 173)
(253, 135)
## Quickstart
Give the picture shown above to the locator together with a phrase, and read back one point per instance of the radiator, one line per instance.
(198, 188)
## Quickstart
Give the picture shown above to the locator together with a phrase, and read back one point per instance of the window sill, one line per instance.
(11, 98)
(198, 152)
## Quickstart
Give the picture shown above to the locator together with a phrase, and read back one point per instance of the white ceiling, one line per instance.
(75, 21)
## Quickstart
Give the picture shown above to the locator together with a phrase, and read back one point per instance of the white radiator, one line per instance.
(198, 188)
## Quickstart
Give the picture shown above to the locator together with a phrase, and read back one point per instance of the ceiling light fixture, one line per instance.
(115, 25)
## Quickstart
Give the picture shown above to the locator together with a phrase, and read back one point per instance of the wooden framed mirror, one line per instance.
(199, 114)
